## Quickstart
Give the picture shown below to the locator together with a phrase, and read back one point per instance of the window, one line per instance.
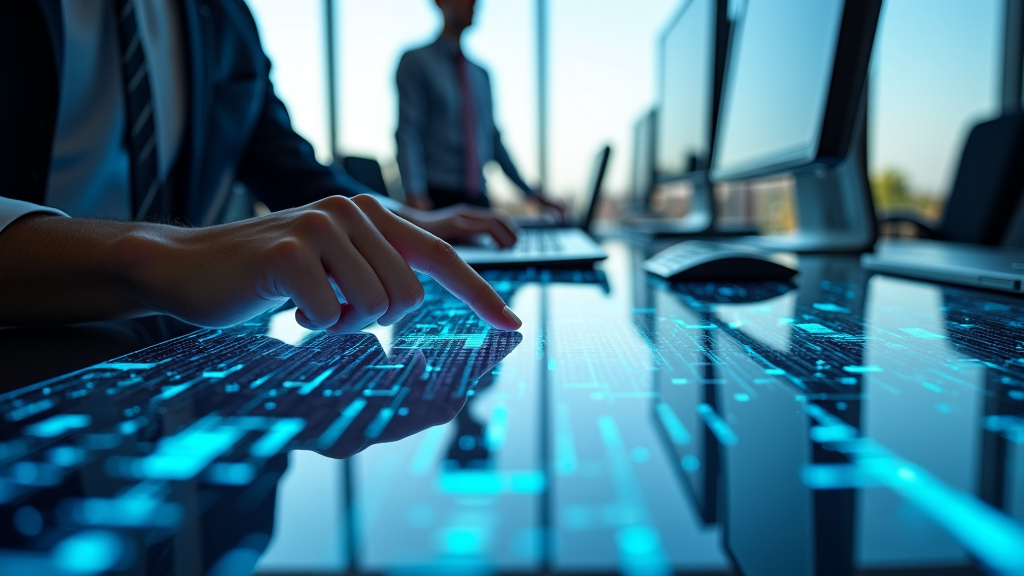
(371, 40)
(602, 77)
(935, 74)
(293, 36)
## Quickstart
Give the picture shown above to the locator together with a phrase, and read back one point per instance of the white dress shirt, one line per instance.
(90, 166)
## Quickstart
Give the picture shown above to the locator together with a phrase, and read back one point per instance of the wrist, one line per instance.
(139, 261)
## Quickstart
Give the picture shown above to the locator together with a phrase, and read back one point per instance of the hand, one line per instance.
(561, 209)
(418, 202)
(222, 275)
(462, 221)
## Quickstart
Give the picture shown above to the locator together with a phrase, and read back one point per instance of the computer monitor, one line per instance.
(643, 177)
(793, 103)
(691, 64)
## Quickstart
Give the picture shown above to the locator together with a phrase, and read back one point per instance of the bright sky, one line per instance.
(935, 74)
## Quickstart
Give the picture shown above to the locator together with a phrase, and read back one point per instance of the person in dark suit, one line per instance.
(121, 113)
(446, 131)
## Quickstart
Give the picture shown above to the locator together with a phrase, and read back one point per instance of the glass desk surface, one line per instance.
(844, 424)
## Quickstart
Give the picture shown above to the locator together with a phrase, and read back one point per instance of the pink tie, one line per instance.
(471, 162)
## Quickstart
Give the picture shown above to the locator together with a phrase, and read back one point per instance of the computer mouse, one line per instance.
(700, 260)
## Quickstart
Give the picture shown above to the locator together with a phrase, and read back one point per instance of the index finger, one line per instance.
(436, 258)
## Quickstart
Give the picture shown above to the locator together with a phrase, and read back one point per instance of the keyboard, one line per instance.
(540, 247)
(538, 240)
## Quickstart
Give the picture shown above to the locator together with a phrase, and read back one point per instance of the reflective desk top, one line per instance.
(843, 424)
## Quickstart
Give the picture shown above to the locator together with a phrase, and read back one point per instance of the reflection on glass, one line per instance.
(860, 427)
(860, 438)
(108, 465)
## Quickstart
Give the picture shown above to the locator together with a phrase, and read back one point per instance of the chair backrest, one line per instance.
(596, 184)
(988, 184)
(367, 172)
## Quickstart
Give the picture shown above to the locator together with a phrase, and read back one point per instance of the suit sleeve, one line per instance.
(279, 165)
(412, 115)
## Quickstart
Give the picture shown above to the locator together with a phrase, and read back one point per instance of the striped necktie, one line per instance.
(140, 129)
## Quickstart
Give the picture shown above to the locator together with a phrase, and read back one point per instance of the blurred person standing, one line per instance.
(446, 132)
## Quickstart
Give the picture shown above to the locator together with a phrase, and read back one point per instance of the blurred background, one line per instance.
(570, 75)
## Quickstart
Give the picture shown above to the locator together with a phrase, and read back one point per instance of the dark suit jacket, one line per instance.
(236, 127)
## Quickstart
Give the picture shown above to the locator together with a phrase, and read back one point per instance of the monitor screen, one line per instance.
(776, 89)
(643, 158)
(687, 91)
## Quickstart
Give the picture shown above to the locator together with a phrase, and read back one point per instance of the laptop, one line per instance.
(549, 246)
(973, 265)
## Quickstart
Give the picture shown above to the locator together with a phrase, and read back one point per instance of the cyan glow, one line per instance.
(65, 456)
(188, 452)
(565, 442)
(497, 429)
(58, 425)
(489, 482)
(672, 425)
(719, 427)
(991, 536)
(223, 373)
(861, 369)
(338, 427)
(87, 552)
(815, 329)
(277, 437)
(463, 541)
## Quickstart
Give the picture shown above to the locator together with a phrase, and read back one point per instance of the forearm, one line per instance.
(59, 270)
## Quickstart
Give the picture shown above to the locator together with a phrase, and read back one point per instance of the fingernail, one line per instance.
(512, 316)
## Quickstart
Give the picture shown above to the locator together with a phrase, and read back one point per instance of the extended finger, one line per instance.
(436, 258)
(400, 282)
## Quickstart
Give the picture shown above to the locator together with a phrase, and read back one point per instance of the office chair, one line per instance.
(987, 187)
(367, 172)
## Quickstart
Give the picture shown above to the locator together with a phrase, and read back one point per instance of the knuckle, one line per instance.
(340, 206)
(367, 202)
(287, 253)
(444, 253)
(316, 221)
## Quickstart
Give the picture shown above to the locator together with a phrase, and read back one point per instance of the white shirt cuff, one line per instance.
(11, 210)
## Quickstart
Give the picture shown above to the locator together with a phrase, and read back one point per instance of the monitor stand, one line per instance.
(834, 208)
(699, 222)
(835, 211)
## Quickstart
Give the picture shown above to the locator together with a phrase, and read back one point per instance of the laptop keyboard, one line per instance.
(538, 241)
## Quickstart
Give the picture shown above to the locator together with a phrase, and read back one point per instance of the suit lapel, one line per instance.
(53, 15)
(198, 31)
